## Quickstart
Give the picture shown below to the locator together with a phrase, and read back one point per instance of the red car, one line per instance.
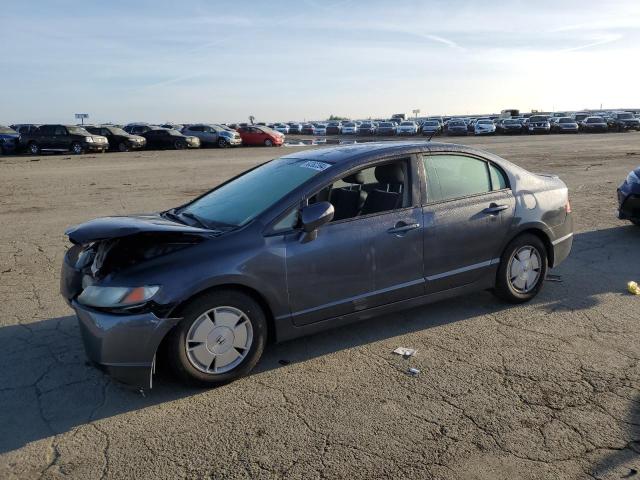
(258, 135)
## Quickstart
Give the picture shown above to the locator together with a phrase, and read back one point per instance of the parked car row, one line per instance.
(36, 139)
(490, 125)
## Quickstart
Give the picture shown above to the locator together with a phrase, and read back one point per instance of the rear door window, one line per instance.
(453, 176)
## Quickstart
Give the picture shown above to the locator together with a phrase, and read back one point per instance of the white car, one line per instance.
(349, 128)
(320, 129)
(407, 128)
(281, 127)
(484, 127)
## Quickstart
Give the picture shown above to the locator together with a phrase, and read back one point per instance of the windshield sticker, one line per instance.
(320, 166)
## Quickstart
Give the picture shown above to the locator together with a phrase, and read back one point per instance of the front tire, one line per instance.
(523, 268)
(76, 148)
(222, 143)
(268, 143)
(221, 338)
(34, 149)
(123, 147)
(179, 145)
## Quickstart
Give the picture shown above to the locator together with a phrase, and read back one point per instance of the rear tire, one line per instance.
(210, 338)
(523, 268)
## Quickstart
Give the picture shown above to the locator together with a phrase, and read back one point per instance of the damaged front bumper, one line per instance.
(123, 345)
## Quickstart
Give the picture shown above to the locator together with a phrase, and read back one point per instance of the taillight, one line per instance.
(567, 207)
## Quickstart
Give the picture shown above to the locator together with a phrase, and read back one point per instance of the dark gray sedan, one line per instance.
(307, 242)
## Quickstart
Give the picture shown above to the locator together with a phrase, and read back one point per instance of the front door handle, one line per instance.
(402, 227)
(494, 209)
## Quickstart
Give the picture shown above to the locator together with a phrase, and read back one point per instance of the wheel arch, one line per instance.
(176, 311)
(539, 232)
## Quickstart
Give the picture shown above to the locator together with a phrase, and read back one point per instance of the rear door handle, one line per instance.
(402, 227)
(494, 209)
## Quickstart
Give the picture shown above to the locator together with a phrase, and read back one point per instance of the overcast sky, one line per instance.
(203, 60)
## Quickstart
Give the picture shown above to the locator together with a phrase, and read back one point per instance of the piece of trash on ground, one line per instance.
(413, 371)
(284, 362)
(554, 278)
(405, 351)
(633, 287)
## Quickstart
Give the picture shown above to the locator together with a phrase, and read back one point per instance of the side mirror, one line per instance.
(313, 217)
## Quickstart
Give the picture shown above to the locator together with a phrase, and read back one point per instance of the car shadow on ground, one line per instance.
(48, 388)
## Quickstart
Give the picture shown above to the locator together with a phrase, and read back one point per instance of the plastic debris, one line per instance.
(633, 288)
(405, 352)
(284, 362)
(414, 372)
(554, 278)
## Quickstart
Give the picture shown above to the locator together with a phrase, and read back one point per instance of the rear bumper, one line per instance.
(123, 345)
(562, 241)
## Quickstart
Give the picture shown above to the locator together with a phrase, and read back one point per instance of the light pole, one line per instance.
(415, 112)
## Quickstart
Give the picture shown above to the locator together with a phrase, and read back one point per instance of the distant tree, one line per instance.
(336, 118)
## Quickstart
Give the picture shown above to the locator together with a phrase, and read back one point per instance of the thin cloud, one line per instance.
(603, 40)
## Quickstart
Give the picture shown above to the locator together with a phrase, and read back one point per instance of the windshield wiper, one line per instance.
(195, 218)
(172, 216)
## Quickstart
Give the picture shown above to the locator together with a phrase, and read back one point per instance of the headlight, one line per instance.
(88, 139)
(633, 178)
(111, 297)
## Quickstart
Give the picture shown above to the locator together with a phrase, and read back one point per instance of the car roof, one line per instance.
(365, 152)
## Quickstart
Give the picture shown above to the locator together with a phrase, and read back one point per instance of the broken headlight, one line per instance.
(116, 297)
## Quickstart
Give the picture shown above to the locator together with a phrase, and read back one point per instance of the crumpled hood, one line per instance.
(117, 227)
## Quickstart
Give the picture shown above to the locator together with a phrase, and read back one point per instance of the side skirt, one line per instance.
(286, 330)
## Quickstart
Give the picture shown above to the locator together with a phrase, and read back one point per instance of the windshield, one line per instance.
(117, 131)
(625, 116)
(457, 123)
(174, 132)
(432, 123)
(538, 119)
(406, 124)
(594, 120)
(386, 124)
(511, 122)
(566, 120)
(349, 125)
(484, 122)
(78, 130)
(241, 200)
